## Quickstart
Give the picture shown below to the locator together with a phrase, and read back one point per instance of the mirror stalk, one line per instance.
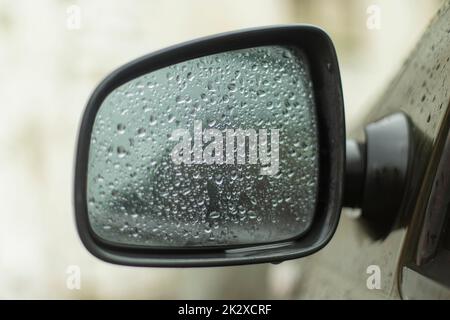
(377, 170)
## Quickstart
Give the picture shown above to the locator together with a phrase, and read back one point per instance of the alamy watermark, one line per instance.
(73, 280)
(373, 21)
(227, 147)
(374, 279)
(73, 19)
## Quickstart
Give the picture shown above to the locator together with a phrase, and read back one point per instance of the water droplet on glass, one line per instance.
(214, 215)
(121, 152)
(232, 87)
(141, 132)
(121, 128)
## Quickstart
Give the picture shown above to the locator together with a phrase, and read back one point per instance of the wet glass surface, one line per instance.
(218, 150)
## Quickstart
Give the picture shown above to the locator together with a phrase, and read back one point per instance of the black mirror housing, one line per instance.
(321, 56)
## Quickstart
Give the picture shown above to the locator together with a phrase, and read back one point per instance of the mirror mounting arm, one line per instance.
(377, 170)
(355, 168)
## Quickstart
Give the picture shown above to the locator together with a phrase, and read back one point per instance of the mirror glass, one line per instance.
(220, 150)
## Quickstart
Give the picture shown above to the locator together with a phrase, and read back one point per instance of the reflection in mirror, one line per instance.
(215, 151)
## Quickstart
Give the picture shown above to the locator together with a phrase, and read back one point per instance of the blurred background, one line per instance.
(52, 55)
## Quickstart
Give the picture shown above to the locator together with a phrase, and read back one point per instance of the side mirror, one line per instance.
(221, 151)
